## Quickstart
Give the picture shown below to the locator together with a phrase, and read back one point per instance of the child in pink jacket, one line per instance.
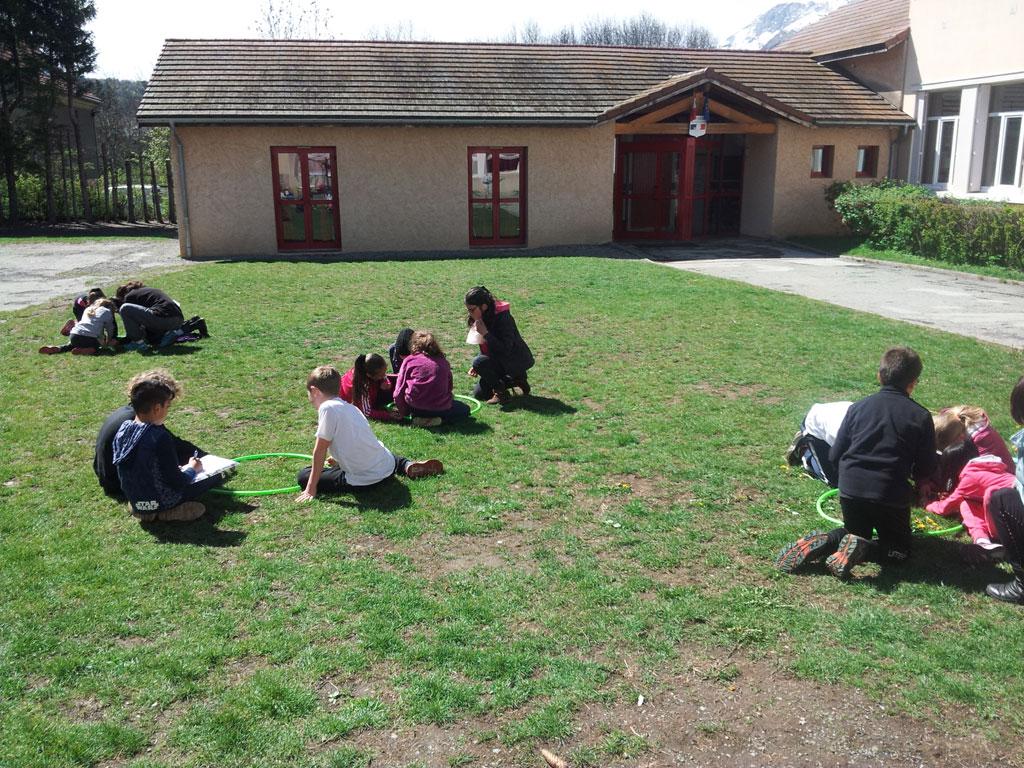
(977, 477)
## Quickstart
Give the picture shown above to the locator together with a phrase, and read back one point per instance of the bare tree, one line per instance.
(641, 31)
(284, 20)
(402, 31)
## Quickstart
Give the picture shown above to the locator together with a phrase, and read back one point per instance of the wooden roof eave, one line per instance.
(864, 50)
(149, 121)
(677, 86)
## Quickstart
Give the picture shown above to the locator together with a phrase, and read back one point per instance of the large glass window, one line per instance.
(497, 195)
(1004, 137)
(305, 197)
(940, 136)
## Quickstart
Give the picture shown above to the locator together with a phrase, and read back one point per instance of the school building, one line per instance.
(284, 146)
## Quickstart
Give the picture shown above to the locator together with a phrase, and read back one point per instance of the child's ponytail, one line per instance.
(359, 379)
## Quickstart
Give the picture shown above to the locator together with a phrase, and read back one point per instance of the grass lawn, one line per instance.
(855, 246)
(607, 539)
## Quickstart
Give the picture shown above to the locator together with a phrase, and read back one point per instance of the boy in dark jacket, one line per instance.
(157, 487)
(885, 440)
(103, 459)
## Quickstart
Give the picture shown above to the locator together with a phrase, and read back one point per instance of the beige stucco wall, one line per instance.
(799, 206)
(881, 72)
(400, 188)
(758, 185)
(955, 40)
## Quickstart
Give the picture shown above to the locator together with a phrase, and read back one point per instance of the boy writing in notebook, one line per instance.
(158, 488)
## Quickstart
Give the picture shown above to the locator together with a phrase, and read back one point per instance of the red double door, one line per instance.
(306, 198)
(677, 188)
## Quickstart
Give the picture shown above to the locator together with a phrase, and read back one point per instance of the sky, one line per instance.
(128, 35)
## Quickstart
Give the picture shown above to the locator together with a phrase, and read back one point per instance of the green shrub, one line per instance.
(896, 216)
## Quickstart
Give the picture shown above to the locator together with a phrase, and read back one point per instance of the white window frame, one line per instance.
(939, 131)
(1004, 117)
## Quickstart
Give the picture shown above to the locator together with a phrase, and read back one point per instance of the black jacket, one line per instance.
(103, 461)
(505, 346)
(154, 299)
(885, 440)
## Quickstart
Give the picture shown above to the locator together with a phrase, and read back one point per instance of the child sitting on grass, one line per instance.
(357, 458)
(366, 385)
(97, 328)
(425, 384)
(157, 487)
(885, 439)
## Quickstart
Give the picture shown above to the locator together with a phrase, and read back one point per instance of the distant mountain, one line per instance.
(780, 22)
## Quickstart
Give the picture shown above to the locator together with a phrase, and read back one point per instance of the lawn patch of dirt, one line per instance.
(711, 710)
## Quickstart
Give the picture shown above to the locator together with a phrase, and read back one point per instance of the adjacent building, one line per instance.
(957, 68)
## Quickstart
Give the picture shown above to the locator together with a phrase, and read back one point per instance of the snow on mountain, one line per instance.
(780, 22)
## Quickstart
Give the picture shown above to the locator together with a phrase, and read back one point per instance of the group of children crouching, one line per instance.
(871, 449)
(150, 316)
(162, 476)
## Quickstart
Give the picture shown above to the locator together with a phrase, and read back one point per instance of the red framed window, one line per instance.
(497, 195)
(306, 198)
(821, 161)
(867, 162)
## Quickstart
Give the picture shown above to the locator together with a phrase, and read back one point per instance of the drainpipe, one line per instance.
(183, 186)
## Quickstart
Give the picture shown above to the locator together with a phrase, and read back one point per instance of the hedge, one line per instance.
(895, 216)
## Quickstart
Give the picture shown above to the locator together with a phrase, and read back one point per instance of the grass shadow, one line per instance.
(204, 531)
(389, 496)
(468, 426)
(172, 350)
(545, 406)
(937, 560)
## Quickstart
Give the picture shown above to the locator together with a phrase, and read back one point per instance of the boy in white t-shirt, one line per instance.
(814, 439)
(357, 458)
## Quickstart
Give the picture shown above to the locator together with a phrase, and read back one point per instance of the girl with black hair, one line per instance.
(504, 357)
(368, 388)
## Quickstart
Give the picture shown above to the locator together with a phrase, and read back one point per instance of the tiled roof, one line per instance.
(863, 24)
(279, 81)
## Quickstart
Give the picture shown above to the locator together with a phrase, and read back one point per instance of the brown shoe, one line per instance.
(417, 469)
(183, 513)
(500, 397)
(48, 350)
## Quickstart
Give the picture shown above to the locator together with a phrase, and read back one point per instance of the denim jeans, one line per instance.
(140, 321)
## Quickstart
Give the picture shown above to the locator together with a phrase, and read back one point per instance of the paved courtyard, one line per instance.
(984, 308)
(34, 272)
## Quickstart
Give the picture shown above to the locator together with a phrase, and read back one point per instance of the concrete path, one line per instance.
(984, 308)
(34, 272)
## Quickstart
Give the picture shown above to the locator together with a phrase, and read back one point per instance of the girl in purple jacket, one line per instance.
(424, 387)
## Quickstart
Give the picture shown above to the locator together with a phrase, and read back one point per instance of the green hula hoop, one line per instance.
(831, 492)
(474, 404)
(269, 491)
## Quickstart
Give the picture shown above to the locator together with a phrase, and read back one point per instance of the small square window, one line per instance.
(821, 161)
(867, 162)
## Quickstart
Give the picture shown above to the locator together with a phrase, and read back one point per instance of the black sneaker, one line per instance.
(806, 549)
(201, 329)
(793, 452)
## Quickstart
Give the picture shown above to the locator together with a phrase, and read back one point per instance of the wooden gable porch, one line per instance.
(671, 185)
